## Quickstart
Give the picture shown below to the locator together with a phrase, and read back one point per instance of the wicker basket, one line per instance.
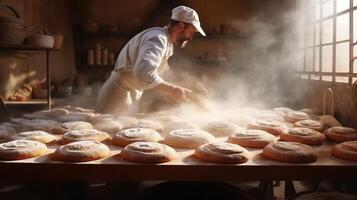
(12, 29)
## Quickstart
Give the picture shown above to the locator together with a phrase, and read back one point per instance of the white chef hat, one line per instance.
(187, 15)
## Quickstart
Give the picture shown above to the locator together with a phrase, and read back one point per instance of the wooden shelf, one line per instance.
(29, 102)
(8, 46)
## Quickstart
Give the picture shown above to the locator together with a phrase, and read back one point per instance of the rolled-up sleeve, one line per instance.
(150, 56)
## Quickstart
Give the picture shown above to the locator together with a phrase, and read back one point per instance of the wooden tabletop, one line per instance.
(186, 167)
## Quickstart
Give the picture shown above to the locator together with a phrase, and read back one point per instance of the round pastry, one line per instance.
(85, 134)
(131, 135)
(6, 133)
(311, 111)
(72, 126)
(220, 128)
(76, 116)
(270, 115)
(146, 124)
(252, 138)
(78, 109)
(270, 126)
(312, 124)
(21, 149)
(47, 114)
(341, 134)
(292, 152)
(283, 110)
(295, 116)
(241, 120)
(222, 153)
(40, 136)
(165, 120)
(148, 152)
(180, 124)
(188, 138)
(49, 126)
(304, 136)
(110, 126)
(81, 151)
(345, 150)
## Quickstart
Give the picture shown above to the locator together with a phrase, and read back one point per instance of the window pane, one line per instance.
(343, 27)
(341, 79)
(354, 2)
(327, 31)
(342, 57)
(309, 34)
(317, 11)
(317, 59)
(327, 78)
(309, 60)
(315, 77)
(327, 58)
(342, 5)
(317, 34)
(300, 60)
(304, 76)
(327, 8)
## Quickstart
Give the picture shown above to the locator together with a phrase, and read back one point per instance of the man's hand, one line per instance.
(178, 93)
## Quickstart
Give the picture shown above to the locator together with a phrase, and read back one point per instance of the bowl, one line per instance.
(45, 41)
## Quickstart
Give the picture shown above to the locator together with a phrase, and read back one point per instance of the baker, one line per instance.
(143, 59)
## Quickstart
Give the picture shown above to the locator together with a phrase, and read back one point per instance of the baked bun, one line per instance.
(311, 111)
(345, 150)
(222, 153)
(146, 124)
(295, 116)
(148, 152)
(304, 136)
(85, 135)
(312, 124)
(110, 126)
(73, 126)
(21, 149)
(180, 124)
(131, 135)
(252, 138)
(283, 110)
(341, 134)
(40, 136)
(47, 114)
(292, 152)
(220, 128)
(271, 126)
(6, 133)
(76, 116)
(81, 151)
(188, 138)
(46, 125)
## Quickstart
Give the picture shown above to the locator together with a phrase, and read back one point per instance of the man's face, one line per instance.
(186, 34)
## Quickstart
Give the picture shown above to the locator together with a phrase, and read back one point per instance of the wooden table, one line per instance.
(186, 167)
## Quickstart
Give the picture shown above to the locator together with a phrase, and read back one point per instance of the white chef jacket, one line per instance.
(145, 55)
(137, 68)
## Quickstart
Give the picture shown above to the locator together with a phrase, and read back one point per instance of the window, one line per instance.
(329, 47)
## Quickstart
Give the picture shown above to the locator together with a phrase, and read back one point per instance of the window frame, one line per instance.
(318, 23)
